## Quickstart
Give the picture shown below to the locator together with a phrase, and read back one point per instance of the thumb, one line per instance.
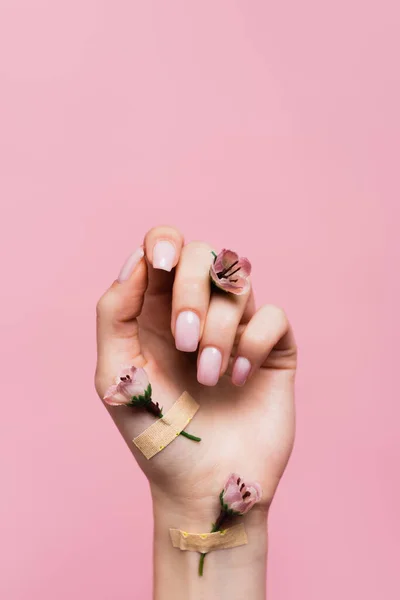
(117, 312)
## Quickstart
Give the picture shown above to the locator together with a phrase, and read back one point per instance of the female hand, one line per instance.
(156, 317)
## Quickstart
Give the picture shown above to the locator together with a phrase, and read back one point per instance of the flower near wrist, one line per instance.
(236, 499)
(194, 507)
(227, 572)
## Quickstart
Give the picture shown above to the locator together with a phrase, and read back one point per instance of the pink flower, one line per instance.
(230, 273)
(238, 497)
(130, 383)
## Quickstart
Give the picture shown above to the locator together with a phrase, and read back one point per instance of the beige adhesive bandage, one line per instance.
(156, 437)
(206, 542)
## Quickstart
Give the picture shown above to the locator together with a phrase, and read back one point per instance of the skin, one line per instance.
(248, 430)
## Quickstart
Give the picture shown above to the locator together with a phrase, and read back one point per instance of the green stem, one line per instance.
(216, 527)
(201, 564)
(190, 437)
(186, 435)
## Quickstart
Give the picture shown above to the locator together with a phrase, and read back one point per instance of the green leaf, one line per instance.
(139, 400)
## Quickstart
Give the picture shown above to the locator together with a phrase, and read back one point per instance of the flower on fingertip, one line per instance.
(231, 273)
(238, 497)
(131, 385)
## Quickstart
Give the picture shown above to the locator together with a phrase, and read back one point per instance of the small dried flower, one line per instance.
(131, 383)
(132, 388)
(231, 273)
(237, 497)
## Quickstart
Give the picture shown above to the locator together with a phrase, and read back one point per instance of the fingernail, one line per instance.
(209, 366)
(241, 370)
(187, 331)
(130, 264)
(163, 255)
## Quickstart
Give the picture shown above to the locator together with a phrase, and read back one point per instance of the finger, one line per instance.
(223, 318)
(118, 309)
(163, 247)
(191, 295)
(267, 341)
(250, 308)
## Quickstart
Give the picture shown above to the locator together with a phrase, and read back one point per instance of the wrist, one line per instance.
(230, 573)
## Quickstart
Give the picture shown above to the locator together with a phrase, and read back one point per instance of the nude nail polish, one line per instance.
(241, 370)
(209, 367)
(187, 331)
(164, 255)
(129, 266)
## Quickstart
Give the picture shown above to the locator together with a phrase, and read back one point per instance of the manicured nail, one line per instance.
(241, 370)
(130, 265)
(187, 331)
(209, 366)
(164, 255)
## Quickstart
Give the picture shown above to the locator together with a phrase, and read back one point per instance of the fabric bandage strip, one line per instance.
(206, 542)
(165, 430)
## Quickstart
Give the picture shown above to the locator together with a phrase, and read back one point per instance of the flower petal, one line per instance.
(230, 273)
(214, 276)
(240, 497)
(245, 267)
(140, 378)
(113, 397)
(228, 258)
(237, 507)
(239, 287)
(256, 489)
(224, 260)
(232, 479)
(231, 494)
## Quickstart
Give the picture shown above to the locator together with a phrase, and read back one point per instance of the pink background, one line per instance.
(269, 126)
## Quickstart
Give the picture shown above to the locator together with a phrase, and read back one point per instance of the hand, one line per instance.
(249, 428)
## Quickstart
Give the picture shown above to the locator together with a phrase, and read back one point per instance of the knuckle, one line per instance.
(165, 231)
(226, 322)
(255, 340)
(198, 248)
(192, 286)
(278, 315)
(104, 305)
